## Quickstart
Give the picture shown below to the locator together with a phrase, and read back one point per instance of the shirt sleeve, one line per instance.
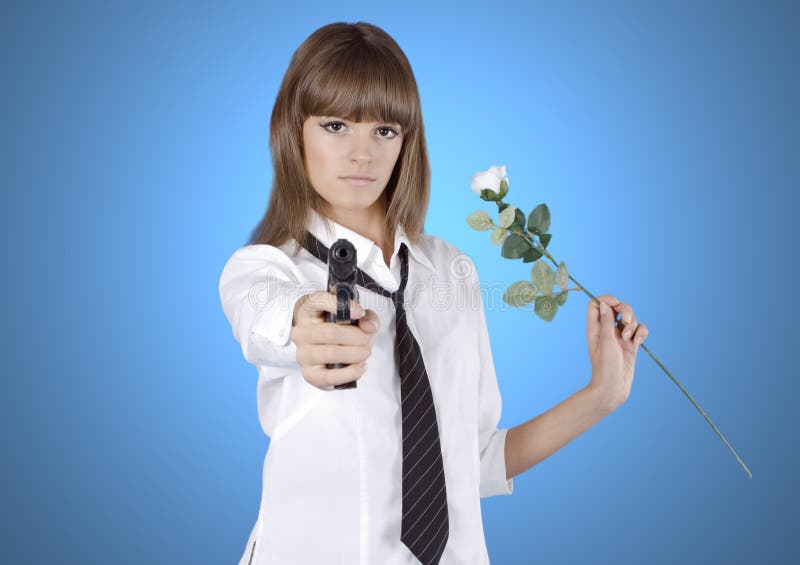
(491, 440)
(258, 288)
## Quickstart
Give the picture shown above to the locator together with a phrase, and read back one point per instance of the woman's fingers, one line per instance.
(320, 343)
(312, 307)
(322, 377)
(340, 334)
(596, 324)
(369, 322)
(624, 310)
(641, 334)
(323, 354)
(331, 334)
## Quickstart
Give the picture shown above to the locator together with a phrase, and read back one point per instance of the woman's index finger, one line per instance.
(313, 306)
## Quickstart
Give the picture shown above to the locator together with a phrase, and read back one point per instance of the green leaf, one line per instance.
(545, 239)
(531, 254)
(480, 220)
(562, 276)
(520, 293)
(499, 236)
(514, 247)
(543, 276)
(506, 216)
(501, 206)
(561, 297)
(539, 219)
(519, 220)
(489, 195)
(503, 188)
(545, 307)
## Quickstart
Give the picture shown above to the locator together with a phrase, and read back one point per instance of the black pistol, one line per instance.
(342, 270)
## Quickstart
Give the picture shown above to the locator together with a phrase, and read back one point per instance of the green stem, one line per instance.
(538, 245)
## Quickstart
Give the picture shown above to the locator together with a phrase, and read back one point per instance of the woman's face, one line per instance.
(336, 150)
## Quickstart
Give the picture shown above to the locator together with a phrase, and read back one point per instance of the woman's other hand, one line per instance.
(613, 349)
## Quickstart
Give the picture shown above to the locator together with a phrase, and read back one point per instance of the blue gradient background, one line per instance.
(135, 160)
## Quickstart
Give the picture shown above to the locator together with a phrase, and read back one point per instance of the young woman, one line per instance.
(392, 470)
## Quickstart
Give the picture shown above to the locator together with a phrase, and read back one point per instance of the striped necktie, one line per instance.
(424, 524)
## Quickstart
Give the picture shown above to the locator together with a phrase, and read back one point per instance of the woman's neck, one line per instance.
(370, 222)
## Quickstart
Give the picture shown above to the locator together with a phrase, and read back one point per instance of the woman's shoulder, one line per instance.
(445, 255)
(436, 245)
(261, 252)
(257, 256)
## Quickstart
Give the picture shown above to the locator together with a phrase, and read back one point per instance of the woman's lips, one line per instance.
(358, 180)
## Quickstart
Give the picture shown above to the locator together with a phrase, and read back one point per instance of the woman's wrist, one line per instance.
(605, 400)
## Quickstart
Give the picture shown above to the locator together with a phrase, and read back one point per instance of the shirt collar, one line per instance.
(364, 246)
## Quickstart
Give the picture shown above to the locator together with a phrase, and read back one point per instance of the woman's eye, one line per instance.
(385, 132)
(334, 125)
(391, 131)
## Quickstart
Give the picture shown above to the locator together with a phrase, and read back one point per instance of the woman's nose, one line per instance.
(361, 148)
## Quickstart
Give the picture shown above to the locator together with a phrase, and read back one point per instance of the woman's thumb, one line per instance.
(369, 322)
(606, 321)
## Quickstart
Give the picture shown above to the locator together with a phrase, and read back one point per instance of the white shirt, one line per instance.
(332, 474)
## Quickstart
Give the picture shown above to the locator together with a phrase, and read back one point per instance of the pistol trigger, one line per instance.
(342, 305)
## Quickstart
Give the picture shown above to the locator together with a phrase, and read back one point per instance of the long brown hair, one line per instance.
(358, 72)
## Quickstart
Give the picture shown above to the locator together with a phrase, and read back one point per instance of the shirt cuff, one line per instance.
(270, 334)
(493, 467)
(275, 312)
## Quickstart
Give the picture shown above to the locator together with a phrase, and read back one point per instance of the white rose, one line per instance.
(489, 179)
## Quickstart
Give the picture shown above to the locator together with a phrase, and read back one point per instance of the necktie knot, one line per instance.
(320, 251)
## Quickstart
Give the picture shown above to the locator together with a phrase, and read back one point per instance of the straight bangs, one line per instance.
(361, 85)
